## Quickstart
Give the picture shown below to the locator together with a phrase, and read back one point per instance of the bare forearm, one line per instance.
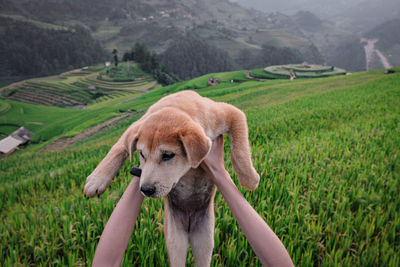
(116, 234)
(267, 246)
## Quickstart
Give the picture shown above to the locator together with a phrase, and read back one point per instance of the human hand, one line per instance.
(213, 164)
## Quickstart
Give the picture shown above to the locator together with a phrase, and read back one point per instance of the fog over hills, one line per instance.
(242, 33)
(321, 7)
(342, 29)
(356, 15)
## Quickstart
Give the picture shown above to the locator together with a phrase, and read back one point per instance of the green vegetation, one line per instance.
(103, 101)
(301, 71)
(4, 107)
(304, 71)
(190, 57)
(125, 73)
(83, 86)
(326, 149)
(224, 27)
(262, 74)
(149, 62)
(32, 49)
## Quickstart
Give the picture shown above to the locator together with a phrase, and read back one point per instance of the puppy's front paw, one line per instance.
(95, 186)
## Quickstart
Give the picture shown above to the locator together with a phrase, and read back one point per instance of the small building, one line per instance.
(212, 81)
(18, 138)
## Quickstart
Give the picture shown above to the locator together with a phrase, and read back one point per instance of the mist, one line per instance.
(362, 15)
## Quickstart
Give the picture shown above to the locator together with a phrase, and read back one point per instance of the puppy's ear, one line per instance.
(196, 144)
(130, 138)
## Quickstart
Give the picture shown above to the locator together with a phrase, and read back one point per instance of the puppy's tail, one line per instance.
(240, 147)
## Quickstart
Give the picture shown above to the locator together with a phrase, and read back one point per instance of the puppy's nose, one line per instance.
(148, 190)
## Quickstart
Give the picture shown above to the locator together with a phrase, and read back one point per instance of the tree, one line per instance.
(115, 52)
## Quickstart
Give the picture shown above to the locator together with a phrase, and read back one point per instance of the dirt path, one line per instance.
(61, 142)
(384, 60)
(369, 53)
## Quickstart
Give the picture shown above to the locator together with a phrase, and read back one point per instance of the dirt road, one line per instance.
(370, 49)
(61, 142)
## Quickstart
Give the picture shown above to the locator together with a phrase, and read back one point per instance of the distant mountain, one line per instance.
(159, 24)
(375, 49)
(320, 7)
(32, 48)
(332, 25)
(369, 13)
(325, 34)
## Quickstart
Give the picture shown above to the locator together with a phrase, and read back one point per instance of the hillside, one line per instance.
(325, 149)
(377, 48)
(322, 7)
(359, 15)
(222, 24)
(80, 93)
(81, 87)
(33, 48)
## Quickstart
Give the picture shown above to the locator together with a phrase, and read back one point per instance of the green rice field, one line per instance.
(327, 150)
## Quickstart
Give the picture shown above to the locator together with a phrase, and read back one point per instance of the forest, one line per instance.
(149, 62)
(28, 49)
(191, 57)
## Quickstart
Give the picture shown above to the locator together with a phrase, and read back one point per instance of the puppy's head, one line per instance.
(169, 143)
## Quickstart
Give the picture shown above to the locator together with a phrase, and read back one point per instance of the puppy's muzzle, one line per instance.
(147, 190)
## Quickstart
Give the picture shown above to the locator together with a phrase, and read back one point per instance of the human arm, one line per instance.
(267, 246)
(115, 237)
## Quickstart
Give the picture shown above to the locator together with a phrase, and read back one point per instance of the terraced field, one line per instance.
(77, 88)
(297, 70)
(4, 107)
(327, 151)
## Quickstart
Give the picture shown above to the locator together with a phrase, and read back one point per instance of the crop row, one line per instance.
(42, 98)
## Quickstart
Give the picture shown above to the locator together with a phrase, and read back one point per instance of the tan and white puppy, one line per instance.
(172, 139)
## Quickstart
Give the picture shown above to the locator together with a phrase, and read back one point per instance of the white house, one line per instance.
(13, 141)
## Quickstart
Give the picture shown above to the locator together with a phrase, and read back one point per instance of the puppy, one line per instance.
(172, 139)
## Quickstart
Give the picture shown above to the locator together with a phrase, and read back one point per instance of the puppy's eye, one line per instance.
(167, 156)
(141, 154)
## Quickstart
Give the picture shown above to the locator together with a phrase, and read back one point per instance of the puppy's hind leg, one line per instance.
(202, 237)
(240, 147)
(176, 236)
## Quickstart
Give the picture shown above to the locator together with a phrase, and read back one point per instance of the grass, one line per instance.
(327, 151)
(68, 89)
(4, 107)
(49, 122)
(283, 72)
(261, 74)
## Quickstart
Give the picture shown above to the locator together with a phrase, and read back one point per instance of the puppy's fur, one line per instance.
(173, 138)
